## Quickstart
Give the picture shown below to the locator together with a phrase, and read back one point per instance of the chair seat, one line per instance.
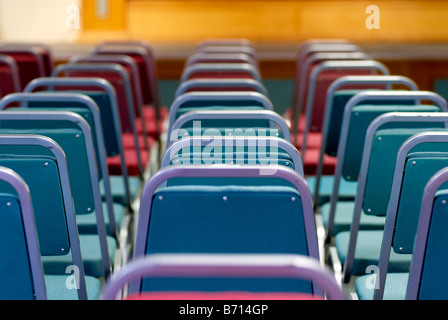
(87, 222)
(129, 141)
(368, 248)
(311, 161)
(91, 255)
(347, 189)
(57, 288)
(344, 218)
(395, 288)
(118, 190)
(313, 140)
(114, 165)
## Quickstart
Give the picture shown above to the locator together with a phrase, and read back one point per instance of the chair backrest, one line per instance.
(291, 232)
(221, 266)
(211, 84)
(202, 57)
(142, 53)
(427, 281)
(9, 76)
(21, 273)
(130, 66)
(86, 108)
(73, 134)
(40, 161)
(226, 122)
(234, 100)
(220, 71)
(29, 59)
(407, 193)
(117, 76)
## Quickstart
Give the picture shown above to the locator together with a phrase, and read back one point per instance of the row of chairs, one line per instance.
(230, 190)
(87, 134)
(77, 136)
(214, 186)
(369, 199)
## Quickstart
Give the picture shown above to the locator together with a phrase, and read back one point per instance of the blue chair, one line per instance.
(182, 218)
(38, 160)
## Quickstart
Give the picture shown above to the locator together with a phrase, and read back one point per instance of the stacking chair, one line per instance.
(145, 127)
(9, 76)
(124, 189)
(420, 158)
(318, 86)
(336, 99)
(30, 60)
(301, 92)
(304, 51)
(425, 279)
(233, 150)
(202, 57)
(224, 266)
(220, 71)
(72, 132)
(137, 159)
(143, 55)
(292, 232)
(374, 187)
(22, 276)
(40, 160)
(249, 50)
(193, 101)
(211, 84)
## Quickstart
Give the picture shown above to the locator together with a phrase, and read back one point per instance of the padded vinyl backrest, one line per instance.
(420, 167)
(72, 142)
(226, 219)
(385, 146)
(15, 270)
(119, 85)
(36, 166)
(361, 117)
(340, 99)
(434, 276)
(103, 102)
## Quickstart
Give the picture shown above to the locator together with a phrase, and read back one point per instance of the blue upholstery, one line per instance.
(395, 289)
(57, 288)
(414, 181)
(15, 271)
(361, 117)
(344, 218)
(434, 277)
(91, 256)
(368, 248)
(49, 217)
(199, 219)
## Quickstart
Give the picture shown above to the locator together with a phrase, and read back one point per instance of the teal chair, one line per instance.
(426, 281)
(206, 122)
(336, 99)
(419, 159)
(356, 120)
(125, 189)
(39, 161)
(85, 107)
(196, 101)
(232, 219)
(72, 133)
